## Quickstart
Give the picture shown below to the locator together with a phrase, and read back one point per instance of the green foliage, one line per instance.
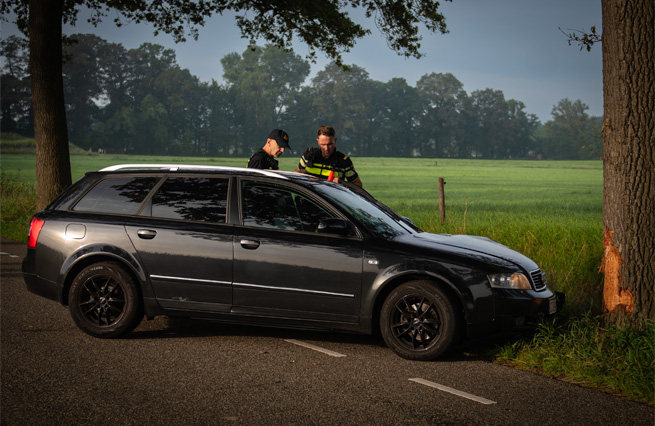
(17, 207)
(441, 100)
(343, 100)
(324, 25)
(260, 83)
(571, 134)
(139, 101)
(15, 100)
(582, 350)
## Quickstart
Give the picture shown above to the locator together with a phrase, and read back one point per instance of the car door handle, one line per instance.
(146, 234)
(249, 244)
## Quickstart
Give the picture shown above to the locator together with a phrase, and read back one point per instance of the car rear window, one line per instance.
(121, 195)
(192, 198)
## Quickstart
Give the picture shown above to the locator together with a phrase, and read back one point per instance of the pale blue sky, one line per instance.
(510, 45)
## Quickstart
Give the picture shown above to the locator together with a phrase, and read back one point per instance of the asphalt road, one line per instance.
(172, 372)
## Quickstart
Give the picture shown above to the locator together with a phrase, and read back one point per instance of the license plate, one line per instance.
(552, 306)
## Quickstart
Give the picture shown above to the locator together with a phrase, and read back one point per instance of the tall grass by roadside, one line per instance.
(17, 206)
(581, 350)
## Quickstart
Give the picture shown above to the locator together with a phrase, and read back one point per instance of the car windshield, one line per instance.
(377, 218)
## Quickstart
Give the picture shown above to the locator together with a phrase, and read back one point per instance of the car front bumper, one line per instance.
(516, 311)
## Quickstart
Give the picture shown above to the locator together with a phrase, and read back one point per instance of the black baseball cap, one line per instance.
(281, 137)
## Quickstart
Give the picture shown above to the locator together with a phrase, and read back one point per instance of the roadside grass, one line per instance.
(18, 201)
(584, 351)
(550, 211)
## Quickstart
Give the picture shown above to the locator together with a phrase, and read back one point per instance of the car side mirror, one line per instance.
(333, 225)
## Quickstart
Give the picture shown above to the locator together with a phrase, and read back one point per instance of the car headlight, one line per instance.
(515, 281)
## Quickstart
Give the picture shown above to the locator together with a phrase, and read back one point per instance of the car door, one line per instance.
(185, 243)
(283, 267)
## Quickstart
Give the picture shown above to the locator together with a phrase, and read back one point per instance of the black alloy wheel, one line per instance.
(104, 301)
(418, 321)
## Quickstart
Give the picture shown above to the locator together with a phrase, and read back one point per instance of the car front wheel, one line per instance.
(419, 321)
(104, 301)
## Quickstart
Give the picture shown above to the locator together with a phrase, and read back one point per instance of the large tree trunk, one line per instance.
(629, 158)
(53, 173)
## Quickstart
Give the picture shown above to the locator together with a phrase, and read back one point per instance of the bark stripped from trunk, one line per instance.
(628, 160)
(614, 296)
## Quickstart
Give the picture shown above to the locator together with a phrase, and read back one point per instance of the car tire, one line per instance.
(104, 301)
(419, 321)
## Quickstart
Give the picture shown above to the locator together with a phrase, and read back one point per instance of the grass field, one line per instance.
(550, 211)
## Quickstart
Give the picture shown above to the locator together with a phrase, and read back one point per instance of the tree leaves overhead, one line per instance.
(324, 25)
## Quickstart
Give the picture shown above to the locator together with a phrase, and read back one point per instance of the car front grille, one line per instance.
(538, 279)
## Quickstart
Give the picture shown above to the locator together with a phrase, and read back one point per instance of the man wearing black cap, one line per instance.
(265, 158)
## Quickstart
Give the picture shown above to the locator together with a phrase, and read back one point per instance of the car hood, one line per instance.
(480, 245)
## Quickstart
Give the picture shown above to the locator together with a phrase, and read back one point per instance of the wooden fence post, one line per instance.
(442, 200)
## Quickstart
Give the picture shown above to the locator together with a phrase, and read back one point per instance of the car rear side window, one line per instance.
(121, 195)
(192, 198)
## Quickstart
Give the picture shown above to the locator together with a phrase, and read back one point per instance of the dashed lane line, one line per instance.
(443, 388)
(315, 348)
(454, 391)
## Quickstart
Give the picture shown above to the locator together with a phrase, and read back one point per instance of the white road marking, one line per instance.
(7, 254)
(454, 391)
(316, 348)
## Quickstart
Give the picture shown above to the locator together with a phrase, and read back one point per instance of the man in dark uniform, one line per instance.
(325, 159)
(265, 158)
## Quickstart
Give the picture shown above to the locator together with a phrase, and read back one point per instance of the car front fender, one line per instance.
(469, 285)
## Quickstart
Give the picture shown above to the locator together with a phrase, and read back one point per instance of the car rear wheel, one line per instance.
(104, 301)
(419, 321)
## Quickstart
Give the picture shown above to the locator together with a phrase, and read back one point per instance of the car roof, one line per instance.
(188, 167)
(181, 168)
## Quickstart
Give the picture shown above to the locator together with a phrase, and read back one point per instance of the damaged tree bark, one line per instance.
(628, 161)
(615, 298)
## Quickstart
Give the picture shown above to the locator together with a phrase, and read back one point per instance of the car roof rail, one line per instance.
(179, 167)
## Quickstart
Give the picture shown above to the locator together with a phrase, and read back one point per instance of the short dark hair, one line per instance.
(325, 130)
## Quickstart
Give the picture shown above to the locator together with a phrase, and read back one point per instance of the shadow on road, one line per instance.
(481, 349)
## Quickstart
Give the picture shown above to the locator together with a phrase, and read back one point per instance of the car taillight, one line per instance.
(35, 230)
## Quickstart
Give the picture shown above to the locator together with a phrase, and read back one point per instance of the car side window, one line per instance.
(117, 195)
(270, 206)
(192, 198)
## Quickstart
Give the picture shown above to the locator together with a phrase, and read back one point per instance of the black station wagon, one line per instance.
(270, 248)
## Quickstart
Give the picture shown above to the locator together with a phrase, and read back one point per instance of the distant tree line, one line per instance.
(140, 101)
